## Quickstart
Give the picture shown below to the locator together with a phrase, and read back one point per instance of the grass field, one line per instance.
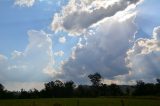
(83, 102)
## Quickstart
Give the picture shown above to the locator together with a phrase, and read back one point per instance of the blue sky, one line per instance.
(88, 40)
(16, 21)
(148, 16)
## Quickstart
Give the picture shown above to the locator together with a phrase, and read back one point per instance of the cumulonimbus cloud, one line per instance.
(105, 51)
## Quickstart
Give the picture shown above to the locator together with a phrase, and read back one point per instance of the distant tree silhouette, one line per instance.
(128, 91)
(139, 88)
(1, 91)
(69, 88)
(34, 93)
(1, 88)
(24, 94)
(83, 91)
(144, 89)
(95, 78)
(104, 90)
(157, 87)
(54, 89)
(115, 90)
(59, 89)
(158, 81)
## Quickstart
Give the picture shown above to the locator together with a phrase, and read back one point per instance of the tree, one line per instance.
(34, 93)
(115, 90)
(96, 79)
(157, 87)
(158, 81)
(69, 88)
(139, 88)
(1, 88)
(24, 94)
(54, 89)
(83, 91)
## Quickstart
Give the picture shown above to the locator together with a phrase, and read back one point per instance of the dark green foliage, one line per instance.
(59, 89)
(147, 89)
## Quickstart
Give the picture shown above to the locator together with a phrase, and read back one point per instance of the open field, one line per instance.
(83, 102)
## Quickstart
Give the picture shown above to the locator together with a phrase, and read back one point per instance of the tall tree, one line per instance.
(95, 78)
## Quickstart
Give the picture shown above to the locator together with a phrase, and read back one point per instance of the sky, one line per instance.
(44, 40)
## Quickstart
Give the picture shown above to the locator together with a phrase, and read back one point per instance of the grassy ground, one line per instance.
(83, 102)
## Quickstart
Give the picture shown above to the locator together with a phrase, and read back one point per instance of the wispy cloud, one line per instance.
(59, 53)
(24, 3)
(62, 39)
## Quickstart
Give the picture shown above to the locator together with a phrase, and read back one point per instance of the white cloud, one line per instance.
(144, 57)
(24, 3)
(62, 39)
(34, 64)
(78, 15)
(59, 53)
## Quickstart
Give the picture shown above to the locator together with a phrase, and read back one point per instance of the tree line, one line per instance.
(68, 89)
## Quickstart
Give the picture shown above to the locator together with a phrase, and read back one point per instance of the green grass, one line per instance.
(83, 102)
